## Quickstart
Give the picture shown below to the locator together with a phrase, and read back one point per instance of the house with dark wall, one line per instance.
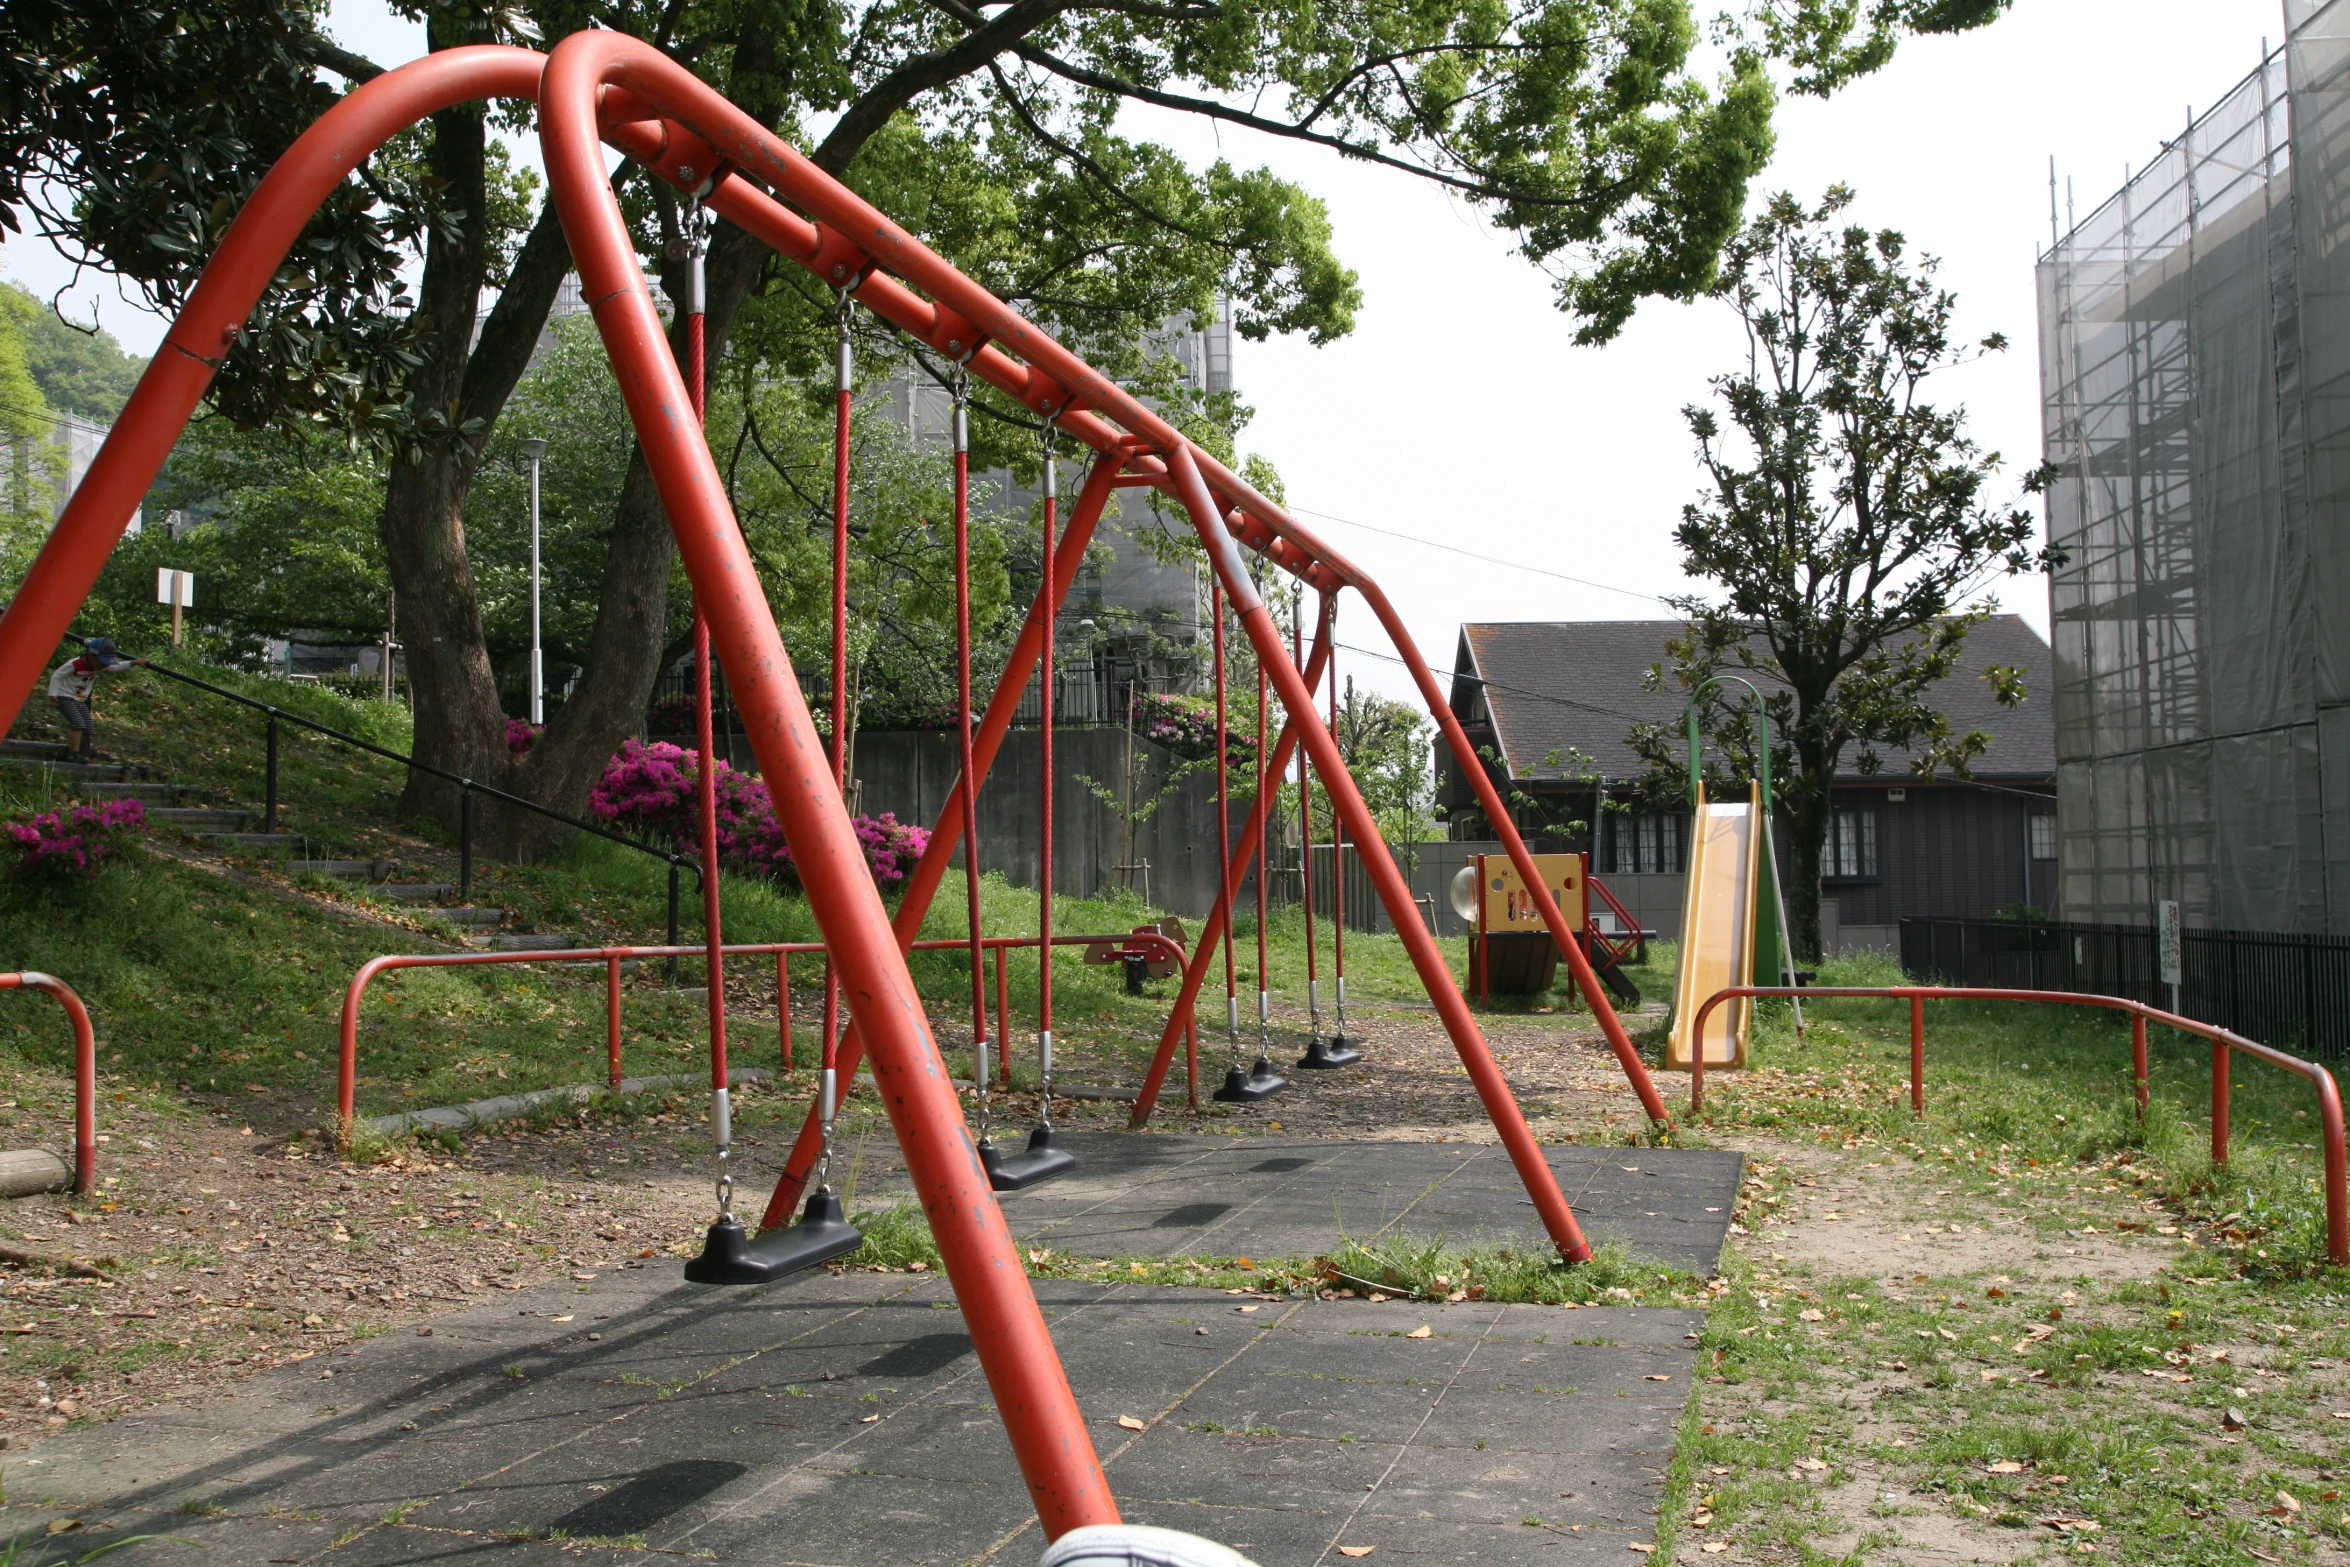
(1552, 704)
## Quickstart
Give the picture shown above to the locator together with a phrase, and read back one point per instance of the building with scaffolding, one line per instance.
(2195, 366)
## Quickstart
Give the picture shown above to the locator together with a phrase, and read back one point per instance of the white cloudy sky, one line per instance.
(1460, 411)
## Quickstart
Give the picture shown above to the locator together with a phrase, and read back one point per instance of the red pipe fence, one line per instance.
(85, 1072)
(2224, 1045)
(1144, 944)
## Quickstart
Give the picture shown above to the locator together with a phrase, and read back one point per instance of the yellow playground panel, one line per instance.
(1726, 874)
(1510, 907)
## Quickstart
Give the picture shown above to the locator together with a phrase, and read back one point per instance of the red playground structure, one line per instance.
(599, 88)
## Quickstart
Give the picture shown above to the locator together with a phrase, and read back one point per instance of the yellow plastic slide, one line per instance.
(1717, 931)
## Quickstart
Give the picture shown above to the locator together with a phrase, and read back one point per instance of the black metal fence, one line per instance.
(2289, 991)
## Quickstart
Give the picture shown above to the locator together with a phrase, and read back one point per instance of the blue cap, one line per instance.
(103, 650)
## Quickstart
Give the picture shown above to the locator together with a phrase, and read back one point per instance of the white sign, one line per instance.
(175, 587)
(2166, 940)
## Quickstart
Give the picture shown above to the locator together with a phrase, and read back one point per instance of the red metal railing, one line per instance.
(1620, 949)
(85, 1072)
(2223, 1046)
(1148, 945)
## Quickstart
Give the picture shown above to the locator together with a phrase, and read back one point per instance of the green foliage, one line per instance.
(1845, 524)
(80, 372)
(31, 466)
(282, 536)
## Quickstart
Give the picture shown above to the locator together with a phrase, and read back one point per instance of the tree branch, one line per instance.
(925, 72)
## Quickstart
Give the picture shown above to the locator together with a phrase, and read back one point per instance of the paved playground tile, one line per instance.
(1169, 1195)
(840, 1421)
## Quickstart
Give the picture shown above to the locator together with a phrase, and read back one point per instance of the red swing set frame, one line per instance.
(599, 87)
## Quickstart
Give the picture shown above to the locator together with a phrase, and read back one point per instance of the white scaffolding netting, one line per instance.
(2195, 365)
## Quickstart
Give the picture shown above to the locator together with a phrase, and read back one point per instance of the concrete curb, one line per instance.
(510, 1107)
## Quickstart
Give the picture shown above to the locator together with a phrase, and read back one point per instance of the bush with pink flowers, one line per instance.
(651, 790)
(1186, 725)
(77, 841)
(521, 735)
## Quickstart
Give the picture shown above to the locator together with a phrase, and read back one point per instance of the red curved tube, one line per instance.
(1007, 1328)
(85, 1072)
(2223, 1044)
(250, 253)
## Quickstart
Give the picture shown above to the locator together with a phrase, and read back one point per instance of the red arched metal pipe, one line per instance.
(1435, 974)
(85, 1072)
(2224, 1044)
(1007, 1328)
(250, 253)
(930, 871)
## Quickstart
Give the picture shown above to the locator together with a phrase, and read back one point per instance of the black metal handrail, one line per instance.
(467, 788)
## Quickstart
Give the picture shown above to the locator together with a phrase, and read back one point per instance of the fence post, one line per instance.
(612, 1021)
(465, 838)
(1917, 1054)
(2138, 1057)
(672, 967)
(783, 1004)
(269, 787)
(2219, 1101)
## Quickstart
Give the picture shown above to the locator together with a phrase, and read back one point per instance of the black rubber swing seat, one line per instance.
(1040, 1161)
(1323, 1055)
(730, 1256)
(1258, 1082)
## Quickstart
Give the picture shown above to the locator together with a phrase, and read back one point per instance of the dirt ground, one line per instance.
(228, 1249)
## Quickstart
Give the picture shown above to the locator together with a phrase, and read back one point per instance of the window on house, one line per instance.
(2043, 837)
(1850, 853)
(1643, 844)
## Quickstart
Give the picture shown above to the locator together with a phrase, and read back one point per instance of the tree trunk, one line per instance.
(458, 722)
(1807, 807)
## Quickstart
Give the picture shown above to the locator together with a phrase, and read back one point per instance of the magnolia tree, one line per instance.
(1846, 526)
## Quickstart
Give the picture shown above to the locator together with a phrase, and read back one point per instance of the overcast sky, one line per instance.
(1460, 411)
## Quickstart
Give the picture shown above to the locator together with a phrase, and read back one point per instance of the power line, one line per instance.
(1496, 685)
(1491, 560)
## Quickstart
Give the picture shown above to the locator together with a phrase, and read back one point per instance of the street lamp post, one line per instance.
(534, 449)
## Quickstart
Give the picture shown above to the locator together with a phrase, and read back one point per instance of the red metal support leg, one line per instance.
(1492, 1088)
(783, 1006)
(1041, 1417)
(2219, 1102)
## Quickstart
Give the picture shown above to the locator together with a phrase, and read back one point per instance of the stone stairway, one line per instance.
(232, 826)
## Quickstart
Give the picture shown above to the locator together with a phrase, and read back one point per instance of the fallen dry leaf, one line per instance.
(1714, 1547)
(2005, 1466)
(1645, 1550)
(60, 1525)
(1657, 1377)
(1130, 1423)
(1815, 1465)
(1422, 1331)
(1812, 1314)
(1356, 1550)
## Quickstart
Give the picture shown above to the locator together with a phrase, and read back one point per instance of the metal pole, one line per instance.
(538, 670)
(269, 787)
(672, 975)
(465, 839)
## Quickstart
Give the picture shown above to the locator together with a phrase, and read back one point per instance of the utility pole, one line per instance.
(535, 448)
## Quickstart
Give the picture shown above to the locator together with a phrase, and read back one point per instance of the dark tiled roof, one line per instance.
(1577, 686)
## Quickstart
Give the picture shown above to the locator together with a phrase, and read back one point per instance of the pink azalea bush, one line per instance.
(651, 789)
(77, 841)
(521, 735)
(1186, 725)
